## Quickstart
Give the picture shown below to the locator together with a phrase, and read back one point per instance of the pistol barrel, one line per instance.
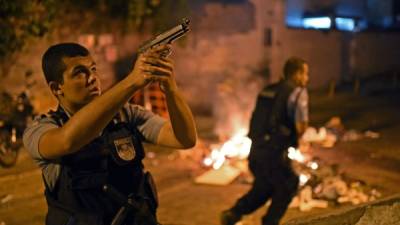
(167, 37)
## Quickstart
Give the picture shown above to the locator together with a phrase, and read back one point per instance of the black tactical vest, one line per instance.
(270, 124)
(78, 198)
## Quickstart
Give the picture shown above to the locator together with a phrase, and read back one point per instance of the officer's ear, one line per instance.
(55, 88)
(296, 77)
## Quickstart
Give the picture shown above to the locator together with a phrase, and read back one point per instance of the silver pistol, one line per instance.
(166, 37)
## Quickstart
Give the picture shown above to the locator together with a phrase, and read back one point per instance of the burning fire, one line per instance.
(239, 147)
(313, 165)
(303, 178)
(296, 155)
(236, 147)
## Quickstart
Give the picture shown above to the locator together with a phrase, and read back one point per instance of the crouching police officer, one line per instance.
(90, 149)
(278, 120)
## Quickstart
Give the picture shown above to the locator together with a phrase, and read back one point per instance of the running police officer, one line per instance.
(278, 121)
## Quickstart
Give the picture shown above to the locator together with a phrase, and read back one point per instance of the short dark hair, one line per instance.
(293, 65)
(52, 60)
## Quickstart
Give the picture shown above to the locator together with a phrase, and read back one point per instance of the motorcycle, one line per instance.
(15, 113)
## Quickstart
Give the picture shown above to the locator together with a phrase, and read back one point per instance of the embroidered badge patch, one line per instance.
(125, 149)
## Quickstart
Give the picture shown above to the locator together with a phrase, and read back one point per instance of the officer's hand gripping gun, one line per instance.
(167, 37)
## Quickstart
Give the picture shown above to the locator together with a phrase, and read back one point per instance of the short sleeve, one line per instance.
(148, 123)
(33, 134)
(301, 113)
(31, 137)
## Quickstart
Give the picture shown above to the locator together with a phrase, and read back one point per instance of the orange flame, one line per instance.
(236, 147)
(296, 155)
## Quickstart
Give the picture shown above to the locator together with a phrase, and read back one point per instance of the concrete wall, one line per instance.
(331, 54)
(375, 53)
(103, 47)
(321, 50)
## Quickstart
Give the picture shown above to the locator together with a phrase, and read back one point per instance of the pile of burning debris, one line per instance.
(320, 186)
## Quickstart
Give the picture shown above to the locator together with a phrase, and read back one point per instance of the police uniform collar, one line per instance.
(61, 109)
(290, 83)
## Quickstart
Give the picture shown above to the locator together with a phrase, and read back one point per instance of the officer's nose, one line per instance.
(92, 78)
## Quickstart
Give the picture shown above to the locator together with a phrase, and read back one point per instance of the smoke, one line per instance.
(234, 101)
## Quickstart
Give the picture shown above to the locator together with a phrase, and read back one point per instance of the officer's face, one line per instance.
(302, 76)
(81, 83)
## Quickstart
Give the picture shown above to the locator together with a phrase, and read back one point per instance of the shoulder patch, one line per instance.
(268, 93)
(139, 107)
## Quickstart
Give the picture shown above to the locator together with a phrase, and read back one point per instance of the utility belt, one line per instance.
(273, 146)
(275, 141)
(135, 209)
(143, 205)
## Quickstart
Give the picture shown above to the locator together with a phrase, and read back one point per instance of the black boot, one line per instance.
(229, 218)
(270, 221)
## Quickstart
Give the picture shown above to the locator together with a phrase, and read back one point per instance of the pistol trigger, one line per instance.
(165, 53)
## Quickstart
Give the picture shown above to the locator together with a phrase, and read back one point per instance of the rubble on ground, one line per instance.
(6, 198)
(320, 185)
(221, 176)
(334, 131)
(324, 185)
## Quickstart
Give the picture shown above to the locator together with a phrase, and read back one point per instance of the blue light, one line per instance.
(317, 23)
(294, 22)
(362, 24)
(387, 21)
(346, 24)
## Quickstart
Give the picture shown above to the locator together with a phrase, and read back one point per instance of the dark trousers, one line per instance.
(275, 180)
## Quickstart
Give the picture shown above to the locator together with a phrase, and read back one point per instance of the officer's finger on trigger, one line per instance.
(151, 60)
(160, 78)
(159, 71)
(164, 51)
(149, 69)
(162, 47)
(155, 61)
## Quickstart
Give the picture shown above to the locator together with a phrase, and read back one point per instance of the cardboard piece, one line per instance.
(222, 176)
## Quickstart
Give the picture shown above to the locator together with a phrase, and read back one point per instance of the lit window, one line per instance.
(346, 24)
(317, 23)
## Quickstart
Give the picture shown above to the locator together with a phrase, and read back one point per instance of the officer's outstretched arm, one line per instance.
(180, 132)
(90, 120)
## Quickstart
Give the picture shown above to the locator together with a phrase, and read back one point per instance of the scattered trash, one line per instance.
(221, 176)
(6, 198)
(323, 136)
(371, 134)
(351, 135)
(319, 184)
(333, 131)
(322, 184)
(151, 155)
(335, 124)
(305, 202)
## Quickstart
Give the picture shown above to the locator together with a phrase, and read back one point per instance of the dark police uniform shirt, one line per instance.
(148, 124)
